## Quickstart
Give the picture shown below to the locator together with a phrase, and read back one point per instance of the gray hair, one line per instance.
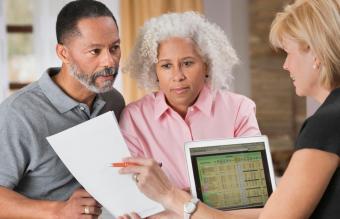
(211, 42)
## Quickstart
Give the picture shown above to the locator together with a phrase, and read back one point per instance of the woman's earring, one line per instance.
(207, 76)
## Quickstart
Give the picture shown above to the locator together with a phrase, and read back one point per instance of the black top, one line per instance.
(322, 131)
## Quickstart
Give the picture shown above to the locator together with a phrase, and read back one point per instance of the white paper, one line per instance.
(87, 150)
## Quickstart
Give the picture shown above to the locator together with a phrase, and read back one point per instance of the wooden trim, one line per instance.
(16, 85)
(19, 28)
(281, 158)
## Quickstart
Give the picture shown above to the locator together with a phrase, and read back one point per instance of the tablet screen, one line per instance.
(232, 176)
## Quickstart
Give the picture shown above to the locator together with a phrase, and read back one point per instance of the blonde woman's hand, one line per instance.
(129, 216)
(150, 179)
(167, 214)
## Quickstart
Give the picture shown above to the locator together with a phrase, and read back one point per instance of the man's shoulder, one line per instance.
(113, 95)
(22, 98)
(114, 101)
(21, 106)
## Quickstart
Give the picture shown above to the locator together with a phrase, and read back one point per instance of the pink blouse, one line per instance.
(152, 129)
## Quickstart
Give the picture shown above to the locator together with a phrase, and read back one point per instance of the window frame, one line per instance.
(21, 29)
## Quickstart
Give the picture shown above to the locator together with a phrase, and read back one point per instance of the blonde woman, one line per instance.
(189, 60)
(309, 32)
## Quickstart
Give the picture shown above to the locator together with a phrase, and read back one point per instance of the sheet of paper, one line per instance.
(87, 150)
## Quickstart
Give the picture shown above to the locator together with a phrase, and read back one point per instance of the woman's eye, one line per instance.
(166, 66)
(188, 63)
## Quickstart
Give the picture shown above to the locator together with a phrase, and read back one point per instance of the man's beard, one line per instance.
(89, 81)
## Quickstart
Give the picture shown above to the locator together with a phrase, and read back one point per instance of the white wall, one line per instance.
(3, 54)
(312, 105)
(232, 16)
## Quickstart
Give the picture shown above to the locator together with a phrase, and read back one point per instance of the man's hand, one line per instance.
(80, 205)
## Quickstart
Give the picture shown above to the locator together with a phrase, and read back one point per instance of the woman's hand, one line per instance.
(167, 214)
(129, 216)
(150, 179)
(163, 215)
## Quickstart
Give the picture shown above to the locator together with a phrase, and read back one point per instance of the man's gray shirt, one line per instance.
(28, 164)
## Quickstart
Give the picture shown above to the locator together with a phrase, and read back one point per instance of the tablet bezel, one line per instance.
(231, 142)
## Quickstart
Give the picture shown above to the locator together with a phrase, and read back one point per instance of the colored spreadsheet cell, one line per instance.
(233, 180)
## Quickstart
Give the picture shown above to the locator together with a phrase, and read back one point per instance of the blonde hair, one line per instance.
(210, 41)
(315, 25)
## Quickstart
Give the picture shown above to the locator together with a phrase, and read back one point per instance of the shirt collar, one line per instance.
(98, 104)
(58, 98)
(203, 103)
(160, 104)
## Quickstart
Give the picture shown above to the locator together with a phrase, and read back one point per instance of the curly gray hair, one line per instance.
(211, 42)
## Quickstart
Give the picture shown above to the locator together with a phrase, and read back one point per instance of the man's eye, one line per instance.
(95, 51)
(115, 48)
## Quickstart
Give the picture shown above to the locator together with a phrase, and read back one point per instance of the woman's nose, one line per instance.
(178, 75)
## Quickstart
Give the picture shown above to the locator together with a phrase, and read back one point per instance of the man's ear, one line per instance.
(62, 53)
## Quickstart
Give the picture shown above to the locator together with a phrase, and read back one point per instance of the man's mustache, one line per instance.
(106, 72)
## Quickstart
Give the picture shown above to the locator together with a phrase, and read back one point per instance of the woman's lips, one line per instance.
(180, 90)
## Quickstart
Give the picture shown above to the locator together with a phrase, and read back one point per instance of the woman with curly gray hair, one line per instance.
(209, 40)
(189, 60)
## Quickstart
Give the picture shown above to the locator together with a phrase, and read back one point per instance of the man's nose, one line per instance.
(109, 60)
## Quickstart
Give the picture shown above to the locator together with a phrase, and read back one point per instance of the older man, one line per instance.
(34, 183)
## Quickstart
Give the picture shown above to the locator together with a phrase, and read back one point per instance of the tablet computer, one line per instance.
(233, 173)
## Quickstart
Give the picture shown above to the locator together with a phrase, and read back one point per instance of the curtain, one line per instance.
(4, 83)
(44, 38)
(133, 14)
